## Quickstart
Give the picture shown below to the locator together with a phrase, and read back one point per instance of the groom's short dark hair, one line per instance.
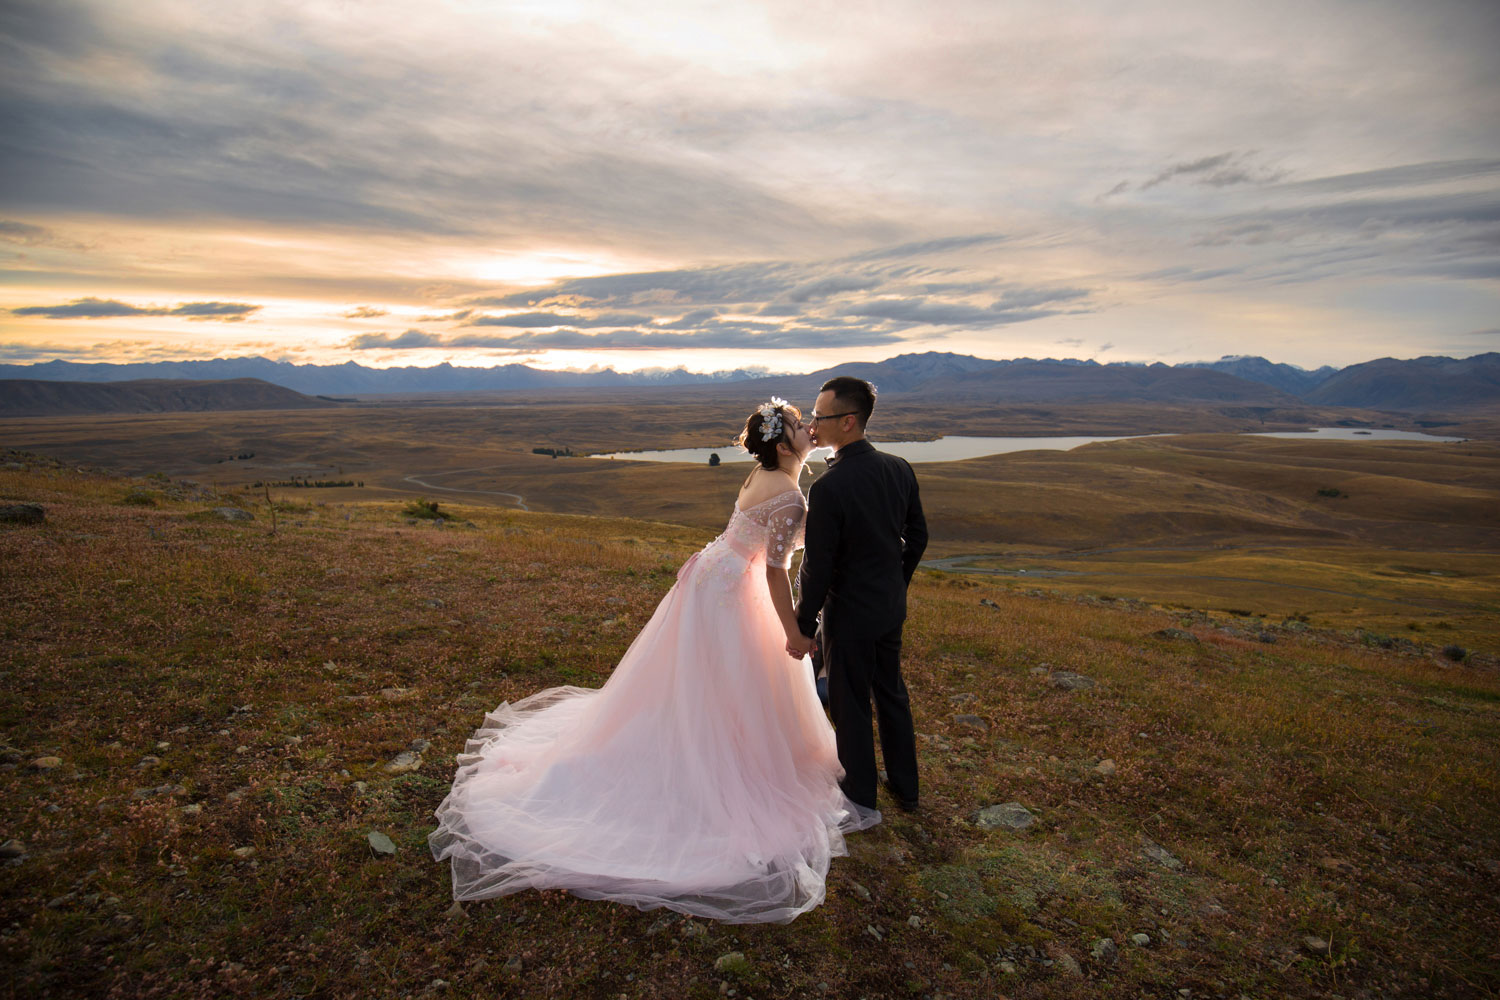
(853, 394)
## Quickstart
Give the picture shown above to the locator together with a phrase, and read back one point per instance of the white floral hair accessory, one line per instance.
(770, 418)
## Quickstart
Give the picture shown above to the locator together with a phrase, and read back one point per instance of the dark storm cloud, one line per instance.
(402, 341)
(92, 308)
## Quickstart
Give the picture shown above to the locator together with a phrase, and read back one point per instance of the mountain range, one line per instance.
(1412, 385)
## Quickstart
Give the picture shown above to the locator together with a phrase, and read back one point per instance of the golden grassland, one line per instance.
(224, 700)
(1217, 520)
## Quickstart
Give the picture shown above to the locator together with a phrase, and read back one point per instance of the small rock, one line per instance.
(1140, 940)
(973, 722)
(23, 513)
(964, 698)
(233, 513)
(237, 794)
(1160, 855)
(692, 929)
(1069, 965)
(1212, 909)
(192, 810)
(1105, 951)
(514, 964)
(404, 762)
(1175, 633)
(420, 746)
(1316, 945)
(1038, 671)
(434, 602)
(914, 921)
(361, 787)
(733, 962)
(244, 852)
(380, 843)
(395, 693)
(860, 891)
(46, 764)
(12, 849)
(147, 761)
(1067, 680)
(1105, 767)
(988, 603)
(456, 910)
(1008, 816)
(871, 930)
(1008, 967)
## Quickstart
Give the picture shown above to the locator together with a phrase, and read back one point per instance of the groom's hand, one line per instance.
(799, 646)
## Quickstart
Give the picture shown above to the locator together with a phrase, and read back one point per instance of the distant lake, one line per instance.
(1354, 434)
(954, 449)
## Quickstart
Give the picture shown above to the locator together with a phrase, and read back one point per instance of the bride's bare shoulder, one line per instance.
(764, 485)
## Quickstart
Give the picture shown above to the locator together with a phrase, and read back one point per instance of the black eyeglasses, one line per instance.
(814, 418)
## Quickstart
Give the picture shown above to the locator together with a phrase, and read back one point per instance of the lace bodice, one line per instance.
(773, 526)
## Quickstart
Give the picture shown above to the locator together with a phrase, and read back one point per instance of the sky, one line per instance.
(779, 185)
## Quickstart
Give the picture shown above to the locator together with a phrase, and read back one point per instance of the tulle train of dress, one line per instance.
(702, 776)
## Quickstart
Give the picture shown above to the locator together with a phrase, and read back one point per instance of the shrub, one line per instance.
(1331, 491)
(427, 509)
(1456, 653)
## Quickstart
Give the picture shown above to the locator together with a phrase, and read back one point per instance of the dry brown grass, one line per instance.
(1318, 785)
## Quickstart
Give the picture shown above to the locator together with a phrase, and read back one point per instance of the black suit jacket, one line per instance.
(865, 536)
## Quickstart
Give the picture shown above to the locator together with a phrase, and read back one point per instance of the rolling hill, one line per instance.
(37, 398)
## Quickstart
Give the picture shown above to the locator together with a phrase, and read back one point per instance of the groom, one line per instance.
(865, 536)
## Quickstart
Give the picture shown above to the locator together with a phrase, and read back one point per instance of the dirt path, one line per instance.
(520, 501)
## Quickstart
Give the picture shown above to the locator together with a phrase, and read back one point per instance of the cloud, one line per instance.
(947, 244)
(366, 312)
(223, 312)
(87, 308)
(1221, 170)
(399, 342)
(1407, 175)
(1013, 306)
(23, 233)
(545, 319)
(730, 336)
(452, 317)
(93, 308)
(822, 288)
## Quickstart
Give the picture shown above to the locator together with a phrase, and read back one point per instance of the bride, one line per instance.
(703, 775)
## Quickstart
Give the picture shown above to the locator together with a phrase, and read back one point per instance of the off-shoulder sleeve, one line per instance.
(784, 531)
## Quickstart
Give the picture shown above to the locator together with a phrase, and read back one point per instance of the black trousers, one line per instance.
(857, 670)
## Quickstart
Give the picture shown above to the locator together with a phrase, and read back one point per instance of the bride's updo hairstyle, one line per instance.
(751, 437)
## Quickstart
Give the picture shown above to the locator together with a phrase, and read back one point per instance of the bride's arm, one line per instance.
(780, 586)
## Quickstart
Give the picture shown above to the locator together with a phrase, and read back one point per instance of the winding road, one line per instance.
(520, 501)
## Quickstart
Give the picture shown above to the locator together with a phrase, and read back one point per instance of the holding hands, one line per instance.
(799, 645)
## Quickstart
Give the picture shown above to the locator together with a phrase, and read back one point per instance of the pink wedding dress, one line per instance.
(702, 776)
